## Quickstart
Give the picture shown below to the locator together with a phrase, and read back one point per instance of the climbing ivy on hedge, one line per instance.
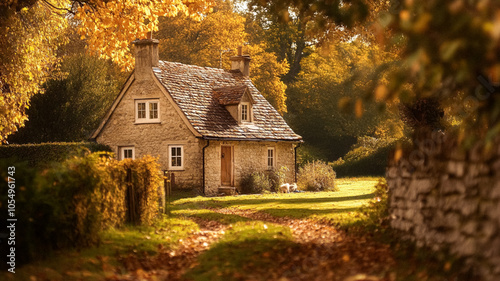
(42, 154)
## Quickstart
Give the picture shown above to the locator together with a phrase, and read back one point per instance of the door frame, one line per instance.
(231, 170)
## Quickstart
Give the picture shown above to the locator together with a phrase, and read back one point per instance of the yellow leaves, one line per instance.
(32, 37)
(117, 23)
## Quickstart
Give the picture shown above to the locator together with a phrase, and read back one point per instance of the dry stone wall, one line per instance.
(447, 198)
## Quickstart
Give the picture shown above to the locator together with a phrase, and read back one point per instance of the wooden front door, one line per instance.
(226, 165)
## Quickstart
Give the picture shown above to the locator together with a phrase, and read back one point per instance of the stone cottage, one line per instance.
(209, 127)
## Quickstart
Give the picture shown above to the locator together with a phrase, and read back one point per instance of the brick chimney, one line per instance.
(241, 62)
(146, 57)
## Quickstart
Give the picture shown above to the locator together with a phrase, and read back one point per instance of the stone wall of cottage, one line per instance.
(447, 198)
(154, 139)
(248, 157)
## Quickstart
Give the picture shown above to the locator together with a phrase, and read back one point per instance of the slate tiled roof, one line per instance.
(229, 95)
(197, 90)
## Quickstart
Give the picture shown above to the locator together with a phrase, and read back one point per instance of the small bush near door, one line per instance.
(316, 176)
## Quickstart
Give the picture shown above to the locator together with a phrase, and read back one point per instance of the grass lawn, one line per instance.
(100, 262)
(340, 206)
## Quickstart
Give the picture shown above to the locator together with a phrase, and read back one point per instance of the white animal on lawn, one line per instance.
(288, 187)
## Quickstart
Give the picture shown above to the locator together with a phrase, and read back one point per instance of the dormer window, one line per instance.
(245, 112)
(147, 111)
(238, 101)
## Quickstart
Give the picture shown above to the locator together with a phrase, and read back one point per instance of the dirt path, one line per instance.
(322, 253)
(325, 253)
(170, 264)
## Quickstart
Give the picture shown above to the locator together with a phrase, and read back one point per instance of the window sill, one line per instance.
(147, 122)
(170, 169)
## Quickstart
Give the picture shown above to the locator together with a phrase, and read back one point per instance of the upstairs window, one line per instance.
(270, 158)
(245, 112)
(147, 111)
(127, 152)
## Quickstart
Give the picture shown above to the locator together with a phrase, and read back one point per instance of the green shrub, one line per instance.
(256, 182)
(277, 177)
(41, 155)
(316, 176)
(69, 203)
(368, 157)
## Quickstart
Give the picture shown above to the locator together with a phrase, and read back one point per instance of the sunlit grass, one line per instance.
(100, 262)
(337, 206)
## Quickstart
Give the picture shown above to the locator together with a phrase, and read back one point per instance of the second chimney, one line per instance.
(241, 62)
(146, 57)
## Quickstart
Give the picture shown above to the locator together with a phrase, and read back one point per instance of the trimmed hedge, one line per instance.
(70, 203)
(40, 155)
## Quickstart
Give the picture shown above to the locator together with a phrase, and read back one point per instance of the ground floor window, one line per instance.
(127, 152)
(176, 155)
(270, 158)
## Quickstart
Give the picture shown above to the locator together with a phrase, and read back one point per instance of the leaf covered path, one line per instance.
(317, 251)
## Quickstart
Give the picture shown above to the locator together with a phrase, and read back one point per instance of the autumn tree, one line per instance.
(30, 36)
(71, 107)
(32, 30)
(331, 78)
(211, 41)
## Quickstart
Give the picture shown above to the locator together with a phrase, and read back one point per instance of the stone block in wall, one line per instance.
(493, 212)
(469, 206)
(431, 202)
(487, 229)
(495, 190)
(449, 220)
(452, 236)
(456, 168)
(465, 246)
(392, 172)
(495, 166)
(477, 169)
(470, 227)
(450, 186)
(422, 186)
(452, 202)
(487, 208)
(399, 191)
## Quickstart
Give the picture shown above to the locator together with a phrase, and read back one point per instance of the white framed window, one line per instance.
(245, 112)
(271, 158)
(127, 152)
(147, 111)
(176, 157)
